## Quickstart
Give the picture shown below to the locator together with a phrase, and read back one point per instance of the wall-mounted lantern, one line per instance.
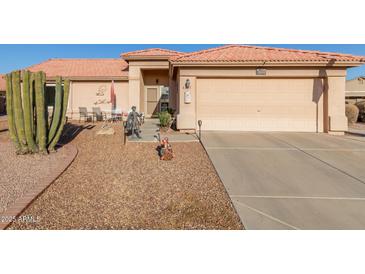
(187, 83)
(187, 92)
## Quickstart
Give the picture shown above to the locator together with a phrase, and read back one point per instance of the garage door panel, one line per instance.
(257, 104)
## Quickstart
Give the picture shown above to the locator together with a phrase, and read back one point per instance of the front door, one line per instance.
(152, 96)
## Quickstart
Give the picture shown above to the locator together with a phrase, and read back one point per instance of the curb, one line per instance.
(23, 202)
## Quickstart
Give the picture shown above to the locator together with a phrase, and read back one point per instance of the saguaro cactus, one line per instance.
(31, 102)
(57, 110)
(18, 111)
(10, 111)
(66, 91)
(41, 113)
(27, 112)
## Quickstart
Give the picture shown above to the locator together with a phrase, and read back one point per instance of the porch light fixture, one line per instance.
(187, 83)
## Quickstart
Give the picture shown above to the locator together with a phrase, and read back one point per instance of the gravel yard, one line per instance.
(23, 174)
(3, 123)
(111, 186)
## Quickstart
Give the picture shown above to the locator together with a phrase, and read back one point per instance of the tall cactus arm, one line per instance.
(40, 111)
(31, 101)
(10, 113)
(18, 111)
(56, 111)
(43, 77)
(66, 91)
(27, 113)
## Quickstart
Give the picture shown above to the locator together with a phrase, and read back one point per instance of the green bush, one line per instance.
(165, 118)
(352, 113)
(171, 111)
(361, 106)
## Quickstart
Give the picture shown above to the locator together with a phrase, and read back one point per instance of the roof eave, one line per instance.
(91, 78)
(268, 63)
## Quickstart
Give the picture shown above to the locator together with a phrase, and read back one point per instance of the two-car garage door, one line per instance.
(258, 104)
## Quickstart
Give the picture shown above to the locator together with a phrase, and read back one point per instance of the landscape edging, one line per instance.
(23, 202)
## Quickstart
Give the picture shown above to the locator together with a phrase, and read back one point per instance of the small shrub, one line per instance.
(361, 106)
(165, 118)
(171, 111)
(352, 113)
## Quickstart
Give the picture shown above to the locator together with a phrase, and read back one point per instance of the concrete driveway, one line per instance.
(292, 180)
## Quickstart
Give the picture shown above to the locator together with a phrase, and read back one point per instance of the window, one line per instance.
(165, 93)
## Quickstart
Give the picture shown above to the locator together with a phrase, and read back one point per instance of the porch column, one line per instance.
(134, 88)
(336, 104)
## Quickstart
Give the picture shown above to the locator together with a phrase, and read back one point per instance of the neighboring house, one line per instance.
(2, 95)
(233, 87)
(355, 90)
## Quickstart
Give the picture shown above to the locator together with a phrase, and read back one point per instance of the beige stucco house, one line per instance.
(234, 87)
(355, 90)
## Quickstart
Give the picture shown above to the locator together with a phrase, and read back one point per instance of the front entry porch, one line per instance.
(155, 92)
(156, 100)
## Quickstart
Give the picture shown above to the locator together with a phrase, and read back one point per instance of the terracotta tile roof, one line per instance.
(83, 68)
(2, 82)
(243, 53)
(151, 52)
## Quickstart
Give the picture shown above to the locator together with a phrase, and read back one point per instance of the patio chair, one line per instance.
(84, 115)
(98, 114)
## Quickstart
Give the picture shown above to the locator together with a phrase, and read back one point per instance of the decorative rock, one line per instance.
(106, 130)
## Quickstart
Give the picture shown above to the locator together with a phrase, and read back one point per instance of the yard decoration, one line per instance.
(165, 150)
(28, 114)
(133, 123)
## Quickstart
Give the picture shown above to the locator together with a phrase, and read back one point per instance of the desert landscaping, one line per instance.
(112, 186)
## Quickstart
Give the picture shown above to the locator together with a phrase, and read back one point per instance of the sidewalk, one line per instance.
(356, 131)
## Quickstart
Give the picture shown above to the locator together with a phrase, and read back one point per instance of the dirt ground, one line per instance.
(112, 186)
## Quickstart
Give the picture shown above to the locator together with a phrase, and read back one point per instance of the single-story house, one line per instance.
(233, 87)
(2, 94)
(355, 90)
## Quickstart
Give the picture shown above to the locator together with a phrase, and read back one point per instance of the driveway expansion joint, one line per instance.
(266, 215)
(318, 159)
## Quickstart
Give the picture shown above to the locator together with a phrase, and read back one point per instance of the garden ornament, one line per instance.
(133, 123)
(165, 150)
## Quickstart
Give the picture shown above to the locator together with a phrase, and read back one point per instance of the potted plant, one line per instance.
(165, 120)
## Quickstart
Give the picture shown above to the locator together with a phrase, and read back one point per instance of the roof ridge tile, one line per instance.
(149, 49)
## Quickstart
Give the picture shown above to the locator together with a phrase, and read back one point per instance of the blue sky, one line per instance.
(20, 56)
